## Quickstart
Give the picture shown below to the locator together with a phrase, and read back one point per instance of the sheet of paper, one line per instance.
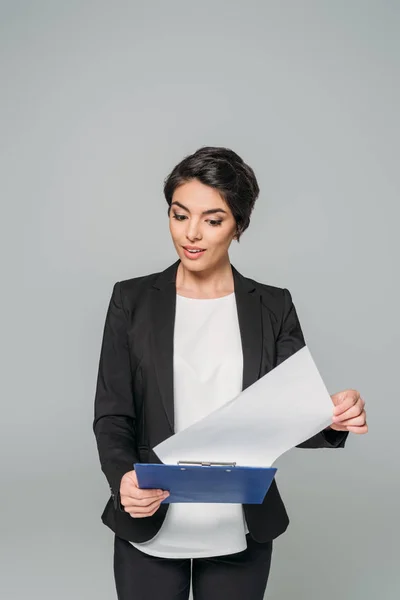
(282, 409)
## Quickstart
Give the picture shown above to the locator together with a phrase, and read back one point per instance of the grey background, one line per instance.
(99, 100)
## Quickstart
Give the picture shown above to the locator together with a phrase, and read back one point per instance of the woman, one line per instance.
(176, 346)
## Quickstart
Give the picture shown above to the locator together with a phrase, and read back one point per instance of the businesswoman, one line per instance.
(177, 345)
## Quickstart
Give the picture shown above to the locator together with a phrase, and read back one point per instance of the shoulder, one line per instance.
(143, 283)
(277, 300)
(136, 284)
(269, 291)
(127, 292)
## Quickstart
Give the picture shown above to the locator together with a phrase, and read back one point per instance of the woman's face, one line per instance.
(200, 221)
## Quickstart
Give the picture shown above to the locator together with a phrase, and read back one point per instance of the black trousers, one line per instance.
(241, 576)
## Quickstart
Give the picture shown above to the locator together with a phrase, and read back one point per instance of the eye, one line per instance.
(179, 217)
(214, 223)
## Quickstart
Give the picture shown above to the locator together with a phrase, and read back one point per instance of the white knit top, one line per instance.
(208, 369)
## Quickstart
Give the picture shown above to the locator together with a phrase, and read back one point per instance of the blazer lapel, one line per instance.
(163, 306)
(248, 303)
(162, 331)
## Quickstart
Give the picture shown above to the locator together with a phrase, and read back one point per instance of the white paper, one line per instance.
(283, 408)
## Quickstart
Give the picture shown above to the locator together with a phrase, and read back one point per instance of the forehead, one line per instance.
(198, 197)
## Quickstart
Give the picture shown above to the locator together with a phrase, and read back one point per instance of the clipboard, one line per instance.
(206, 482)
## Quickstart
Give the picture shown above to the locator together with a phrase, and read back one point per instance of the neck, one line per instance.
(209, 283)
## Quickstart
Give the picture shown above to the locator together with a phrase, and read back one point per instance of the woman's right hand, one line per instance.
(139, 503)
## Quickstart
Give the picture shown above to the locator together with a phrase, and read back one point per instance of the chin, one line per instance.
(192, 265)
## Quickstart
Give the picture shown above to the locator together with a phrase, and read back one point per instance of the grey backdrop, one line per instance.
(99, 101)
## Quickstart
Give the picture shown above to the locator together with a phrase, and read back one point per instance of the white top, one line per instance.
(208, 369)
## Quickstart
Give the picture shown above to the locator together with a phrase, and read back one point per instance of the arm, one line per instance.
(289, 341)
(114, 418)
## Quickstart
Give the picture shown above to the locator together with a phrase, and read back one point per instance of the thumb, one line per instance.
(129, 479)
(134, 478)
(338, 398)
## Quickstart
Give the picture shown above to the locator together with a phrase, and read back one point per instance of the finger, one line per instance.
(338, 427)
(351, 404)
(136, 492)
(140, 516)
(141, 505)
(352, 412)
(354, 422)
(133, 501)
(143, 493)
(349, 400)
(358, 430)
(142, 511)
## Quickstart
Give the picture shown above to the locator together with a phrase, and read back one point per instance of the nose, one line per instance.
(193, 231)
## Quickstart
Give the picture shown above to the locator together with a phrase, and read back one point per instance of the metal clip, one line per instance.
(206, 463)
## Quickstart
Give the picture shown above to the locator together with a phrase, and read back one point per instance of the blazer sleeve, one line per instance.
(114, 413)
(289, 341)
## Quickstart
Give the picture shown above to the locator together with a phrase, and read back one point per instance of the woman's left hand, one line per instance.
(349, 412)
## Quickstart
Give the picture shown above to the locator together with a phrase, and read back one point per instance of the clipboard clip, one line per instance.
(206, 463)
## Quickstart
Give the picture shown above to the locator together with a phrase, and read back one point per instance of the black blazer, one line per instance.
(134, 403)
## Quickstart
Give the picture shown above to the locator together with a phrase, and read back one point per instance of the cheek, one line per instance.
(172, 228)
(223, 237)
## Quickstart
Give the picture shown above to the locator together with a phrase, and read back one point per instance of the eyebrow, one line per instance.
(210, 211)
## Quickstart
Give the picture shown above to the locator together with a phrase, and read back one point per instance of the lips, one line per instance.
(193, 248)
(193, 252)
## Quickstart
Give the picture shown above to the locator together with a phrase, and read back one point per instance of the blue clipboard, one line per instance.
(206, 482)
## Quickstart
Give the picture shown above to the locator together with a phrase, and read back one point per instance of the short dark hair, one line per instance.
(223, 170)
